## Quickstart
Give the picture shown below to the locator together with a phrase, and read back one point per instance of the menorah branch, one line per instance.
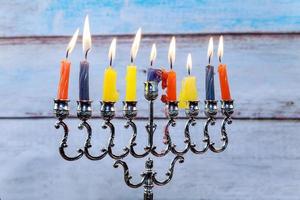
(227, 111)
(62, 111)
(127, 176)
(169, 173)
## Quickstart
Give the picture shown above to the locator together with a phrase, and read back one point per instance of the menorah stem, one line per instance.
(151, 124)
(148, 180)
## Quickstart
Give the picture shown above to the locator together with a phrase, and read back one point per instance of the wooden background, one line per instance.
(261, 51)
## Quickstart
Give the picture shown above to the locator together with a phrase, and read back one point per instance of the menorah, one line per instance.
(149, 179)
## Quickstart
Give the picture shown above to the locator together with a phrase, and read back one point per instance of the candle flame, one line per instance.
(189, 63)
(136, 44)
(112, 51)
(86, 37)
(172, 51)
(210, 49)
(221, 48)
(72, 43)
(153, 53)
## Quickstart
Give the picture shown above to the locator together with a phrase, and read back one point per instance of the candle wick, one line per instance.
(171, 64)
(67, 54)
(220, 59)
(86, 53)
(209, 58)
(131, 59)
(189, 71)
(110, 61)
(151, 63)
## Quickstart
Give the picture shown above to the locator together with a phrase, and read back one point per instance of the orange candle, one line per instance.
(225, 92)
(222, 69)
(63, 87)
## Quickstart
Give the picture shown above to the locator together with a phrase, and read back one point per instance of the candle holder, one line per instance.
(107, 110)
(151, 90)
(61, 109)
(149, 180)
(84, 110)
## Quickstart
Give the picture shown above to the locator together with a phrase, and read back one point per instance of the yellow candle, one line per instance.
(188, 90)
(131, 69)
(131, 83)
(110, 93)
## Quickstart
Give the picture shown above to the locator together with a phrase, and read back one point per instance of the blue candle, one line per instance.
(84, 65)
(154, 74)
(209, 75)
(209, 83)
(84, 81)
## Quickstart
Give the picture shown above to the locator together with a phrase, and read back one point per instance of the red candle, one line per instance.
(63, 87)
(169, 83)
(169, 77)
(222, 69)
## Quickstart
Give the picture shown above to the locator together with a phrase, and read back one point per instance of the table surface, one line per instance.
(261, 162)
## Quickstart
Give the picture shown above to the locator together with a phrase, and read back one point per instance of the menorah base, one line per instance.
(148, 195)
(149, 176)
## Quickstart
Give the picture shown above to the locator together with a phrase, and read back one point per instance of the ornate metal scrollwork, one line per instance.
(149, 177)
(64, 144)
(108, 124)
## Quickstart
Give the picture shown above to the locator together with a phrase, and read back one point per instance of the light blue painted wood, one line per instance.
(62, 17)
(263, 72)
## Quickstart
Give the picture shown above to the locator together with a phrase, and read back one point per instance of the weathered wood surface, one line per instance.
(36, 17)
(262, 158)
(261, 162)
(263, 72)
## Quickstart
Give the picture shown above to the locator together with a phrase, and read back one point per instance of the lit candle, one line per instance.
(222, 69)
(131, 69)
(188, 90)
(209, 76)
(63, 88)
(169, 77)
(84, 65)
(110, 93)
(153, 74)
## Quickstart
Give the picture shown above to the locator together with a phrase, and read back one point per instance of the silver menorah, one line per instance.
(149, 179)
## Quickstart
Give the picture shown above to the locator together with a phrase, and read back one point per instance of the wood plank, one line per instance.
(261, 162)
(62, 17)
(263, 72)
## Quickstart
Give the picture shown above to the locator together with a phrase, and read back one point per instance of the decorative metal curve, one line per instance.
(206, 139)
(108, 124)
(224, 137)
(167, 140)
(132, 142)
(64, 144)
(88, 144)
(169, 173)
(187, 140)
(127, 176)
